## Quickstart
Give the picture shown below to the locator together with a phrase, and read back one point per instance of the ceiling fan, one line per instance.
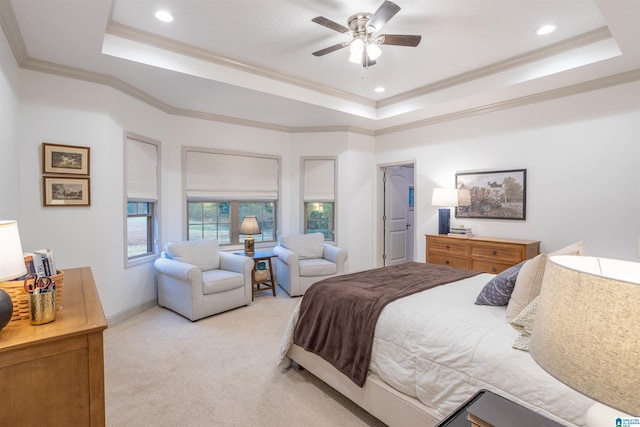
(362, 26)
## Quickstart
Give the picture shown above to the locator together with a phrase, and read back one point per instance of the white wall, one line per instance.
(65, 111)
(9, 172)
(582, 155)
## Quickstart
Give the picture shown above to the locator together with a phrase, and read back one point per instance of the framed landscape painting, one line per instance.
(65, 159)
(494, 194)
(63, 191)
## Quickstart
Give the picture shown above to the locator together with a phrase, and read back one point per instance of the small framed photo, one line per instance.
(65, 159)
(63, 191)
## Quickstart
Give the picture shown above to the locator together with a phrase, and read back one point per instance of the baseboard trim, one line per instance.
(131, 312)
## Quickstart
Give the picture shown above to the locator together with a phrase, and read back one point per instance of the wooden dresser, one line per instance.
(53, 374)
(487, 254)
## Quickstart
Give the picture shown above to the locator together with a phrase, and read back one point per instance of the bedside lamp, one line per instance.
(586, 333)
(448, 198)
(11, 265)
(249, 226)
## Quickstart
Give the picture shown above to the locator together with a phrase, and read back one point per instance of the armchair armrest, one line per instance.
(334, 254)
(178, 270)
(285, 255)
(237, 263)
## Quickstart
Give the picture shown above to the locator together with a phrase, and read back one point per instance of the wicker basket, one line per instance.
(20, 297)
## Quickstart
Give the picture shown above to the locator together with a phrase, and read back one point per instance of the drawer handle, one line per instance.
(493, 269)
(446, 262)
(447, 247)
(495, 252)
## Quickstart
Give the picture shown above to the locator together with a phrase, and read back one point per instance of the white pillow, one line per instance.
(204, 254)
(523, 323)
(528, 285)
(307, 246)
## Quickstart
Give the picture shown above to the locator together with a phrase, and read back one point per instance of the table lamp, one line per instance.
(249, 227)
(11, 265)
(448, 198)
(587, 335)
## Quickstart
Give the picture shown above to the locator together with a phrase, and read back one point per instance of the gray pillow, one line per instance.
(498, 290)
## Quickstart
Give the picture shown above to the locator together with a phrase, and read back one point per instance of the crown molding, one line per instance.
(585, 39)
(14, 38)
(9, 25)
(578, 88)
(130, 33)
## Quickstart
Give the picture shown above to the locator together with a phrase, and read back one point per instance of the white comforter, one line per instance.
(439, 347)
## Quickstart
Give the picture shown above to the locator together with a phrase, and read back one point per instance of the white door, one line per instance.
(396, 222)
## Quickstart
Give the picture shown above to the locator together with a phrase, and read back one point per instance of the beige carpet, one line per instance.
(163, 370)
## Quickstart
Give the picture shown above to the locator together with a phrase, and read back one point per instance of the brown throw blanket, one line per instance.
(338, 315)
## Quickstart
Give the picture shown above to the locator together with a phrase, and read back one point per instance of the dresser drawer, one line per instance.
(498, 253)
(451, 261)
(449, 247)
(489, 266)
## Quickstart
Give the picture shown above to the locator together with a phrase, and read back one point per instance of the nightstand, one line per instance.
(488, 409)
(262, 279)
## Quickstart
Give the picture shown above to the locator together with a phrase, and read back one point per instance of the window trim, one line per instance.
(156, 219)
(277, 201)
(303, 217)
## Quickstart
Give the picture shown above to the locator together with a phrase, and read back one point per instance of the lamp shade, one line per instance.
(250, 225)
(444, 197)
(11, 256)
(450, 197)
(586, 332)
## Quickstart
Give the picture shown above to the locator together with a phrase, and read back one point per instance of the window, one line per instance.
(222, 220)
(139, 228)
(319, 181)
(141, 180)
(222, 188)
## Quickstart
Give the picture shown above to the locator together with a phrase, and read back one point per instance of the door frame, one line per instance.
(380, 169)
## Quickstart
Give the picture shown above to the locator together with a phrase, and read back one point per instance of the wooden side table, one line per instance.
(53, 374)
(259, 284)
(489, 409)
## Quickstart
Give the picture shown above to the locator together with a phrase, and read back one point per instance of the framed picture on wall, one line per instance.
(65, 159)
(494, 194)
(64, 191)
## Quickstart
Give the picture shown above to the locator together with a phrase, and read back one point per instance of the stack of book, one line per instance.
(460, 230)
(41, 262)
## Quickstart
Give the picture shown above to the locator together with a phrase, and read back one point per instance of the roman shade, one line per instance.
(319, 180)
(142, 164)
(224, 176)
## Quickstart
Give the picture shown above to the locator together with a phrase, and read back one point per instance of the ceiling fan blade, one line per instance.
(330, 49)
(399, 40)
(385, 12)
(330, 24)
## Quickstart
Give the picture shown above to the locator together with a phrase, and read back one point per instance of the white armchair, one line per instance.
(304, 259)
(196, 280)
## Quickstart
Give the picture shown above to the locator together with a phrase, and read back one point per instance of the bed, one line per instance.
(434, 349)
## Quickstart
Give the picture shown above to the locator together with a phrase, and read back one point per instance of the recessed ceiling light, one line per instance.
(164, 16)
(546, 29)
(379, 89)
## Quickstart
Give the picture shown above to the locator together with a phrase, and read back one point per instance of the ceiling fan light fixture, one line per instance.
(373, 51)
(357, 46)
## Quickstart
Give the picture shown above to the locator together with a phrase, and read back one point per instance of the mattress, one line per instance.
(439, 347)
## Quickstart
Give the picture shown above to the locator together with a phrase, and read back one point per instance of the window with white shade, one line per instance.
(319, 195)
(142, 178)
(224, 187)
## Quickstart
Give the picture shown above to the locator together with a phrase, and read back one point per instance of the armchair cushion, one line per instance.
(204, 254)
(317, 267)
(307, 246)
(214, 281)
